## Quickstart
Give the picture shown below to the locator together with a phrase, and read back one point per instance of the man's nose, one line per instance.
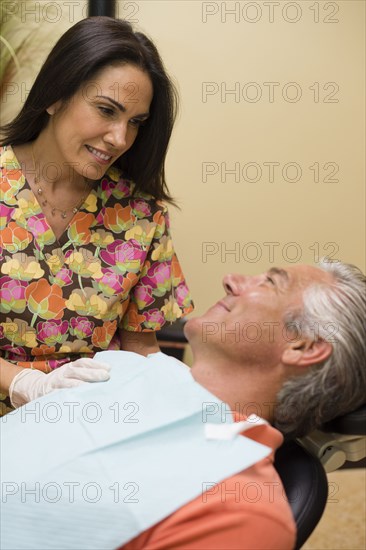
(234, 283)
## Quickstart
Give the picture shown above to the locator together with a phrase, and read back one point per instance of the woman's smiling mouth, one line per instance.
(102, 157)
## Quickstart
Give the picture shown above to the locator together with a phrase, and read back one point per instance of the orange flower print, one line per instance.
(79, 230)
(14, 238)
(11, 183)
(42, 350)
(118, 219)
(177, 273)
(159, 219)
(45, 300)
(132, 320)
(102, 335)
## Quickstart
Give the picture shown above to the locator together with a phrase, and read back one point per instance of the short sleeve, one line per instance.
(161, 294)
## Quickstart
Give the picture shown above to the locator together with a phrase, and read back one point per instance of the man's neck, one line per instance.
(246, 390)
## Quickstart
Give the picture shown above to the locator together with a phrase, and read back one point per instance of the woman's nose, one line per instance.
(117, 137)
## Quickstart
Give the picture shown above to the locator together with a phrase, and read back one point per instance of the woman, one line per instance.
(87, 260)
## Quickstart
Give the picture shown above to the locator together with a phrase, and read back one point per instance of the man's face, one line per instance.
(249, 320)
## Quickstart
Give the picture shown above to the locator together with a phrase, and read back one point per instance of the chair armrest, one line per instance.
(333, 449)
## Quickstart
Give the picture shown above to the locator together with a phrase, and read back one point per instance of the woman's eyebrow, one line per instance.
(121, 107)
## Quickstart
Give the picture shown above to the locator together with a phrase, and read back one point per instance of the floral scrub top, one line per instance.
(114, 267)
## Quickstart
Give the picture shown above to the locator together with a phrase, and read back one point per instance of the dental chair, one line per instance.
(301, 464)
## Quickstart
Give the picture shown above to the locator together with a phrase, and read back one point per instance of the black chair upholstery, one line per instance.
(306, 487)
(353, 423)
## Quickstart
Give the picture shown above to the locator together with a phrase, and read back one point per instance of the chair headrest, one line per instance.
(353, 423)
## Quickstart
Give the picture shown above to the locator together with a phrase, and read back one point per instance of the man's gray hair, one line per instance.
(335, 313)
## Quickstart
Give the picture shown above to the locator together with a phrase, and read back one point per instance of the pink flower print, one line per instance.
(126, 256)
(81, 327)
(63, 277)
(52, 332)
(143, 296)
(122, 189)
(140, 208)
(37, 224)
(15, 353)
(182, 295)
(154, 319)
(12, 295)
(5, 215)
(111, 283)
(159, 277)
(106, 187)
(41, 230)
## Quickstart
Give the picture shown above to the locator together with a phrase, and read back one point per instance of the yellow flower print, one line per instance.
(10, 329)
(142, 232)
(22, 268)
(19, 333)
(114, 308)
(8, 159)
(79, 346)
(164, 250)
(114, 173)
(55, 261)
(3, 408)
(171, 310)
(90, 203)
(19, 217)
(28, 203)
(87, 302)
(101, 238)
(84, 263)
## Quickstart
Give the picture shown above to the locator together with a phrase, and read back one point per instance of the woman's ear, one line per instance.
(52, 109)
(306, 353)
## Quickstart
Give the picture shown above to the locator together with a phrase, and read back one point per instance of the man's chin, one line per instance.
(192, 327)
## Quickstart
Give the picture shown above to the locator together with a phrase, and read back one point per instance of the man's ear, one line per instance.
(305, 353)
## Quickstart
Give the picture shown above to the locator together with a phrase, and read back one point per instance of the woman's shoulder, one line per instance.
(123, 187)
(8, 159)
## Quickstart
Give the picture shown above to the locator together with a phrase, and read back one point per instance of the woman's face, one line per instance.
(101, 121)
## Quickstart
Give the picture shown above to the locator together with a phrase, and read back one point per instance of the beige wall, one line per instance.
(274, 220)
(29, 29)
(320, 217)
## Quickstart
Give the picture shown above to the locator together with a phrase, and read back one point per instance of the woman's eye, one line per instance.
(136, 123)
(106, 111)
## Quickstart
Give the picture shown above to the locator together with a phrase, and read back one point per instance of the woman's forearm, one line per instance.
(7, 372)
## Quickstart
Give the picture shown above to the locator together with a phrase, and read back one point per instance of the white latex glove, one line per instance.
(31, 383)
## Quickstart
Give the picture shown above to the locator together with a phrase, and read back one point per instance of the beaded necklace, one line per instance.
(45, 201)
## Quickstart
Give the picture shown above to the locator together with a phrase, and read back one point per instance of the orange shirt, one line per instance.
(247, 511)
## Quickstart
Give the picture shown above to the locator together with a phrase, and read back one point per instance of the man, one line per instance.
(288, 344)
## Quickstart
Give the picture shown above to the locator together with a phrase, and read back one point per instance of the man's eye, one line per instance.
(268, 278)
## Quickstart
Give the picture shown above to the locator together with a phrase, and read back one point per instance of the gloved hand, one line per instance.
(31, 383)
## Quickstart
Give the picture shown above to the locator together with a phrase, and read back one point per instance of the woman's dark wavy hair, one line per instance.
(85, 49)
